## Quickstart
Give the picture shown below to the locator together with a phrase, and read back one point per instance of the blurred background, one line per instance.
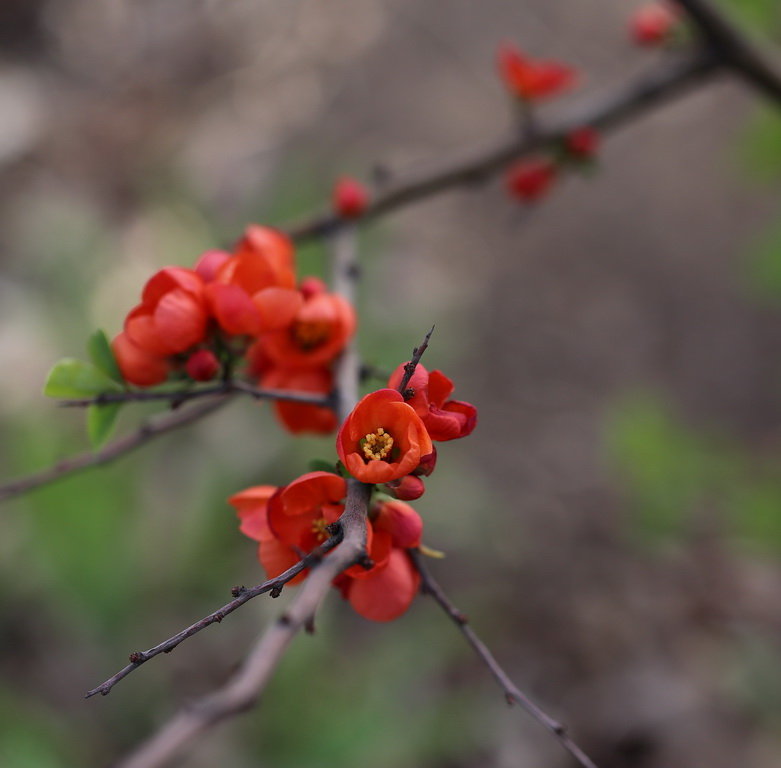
(613, 526)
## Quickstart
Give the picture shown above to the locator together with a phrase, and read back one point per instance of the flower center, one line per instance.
(319, 528)
(377, 445)
(309, 334)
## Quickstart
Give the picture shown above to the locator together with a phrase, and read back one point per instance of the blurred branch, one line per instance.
(243, 690)
(733, 49)
(242, 595)
(601, 111)
(231, 387)
(512, 693)
(145, 433)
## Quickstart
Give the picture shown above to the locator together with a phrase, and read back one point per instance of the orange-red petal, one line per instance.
(387, 592)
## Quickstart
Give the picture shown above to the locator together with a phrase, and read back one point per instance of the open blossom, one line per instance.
(292, 520)
(652, 24)
(529, 180)
(315, 333)
(531, 80)
(383, 438)
(444, 419)
(254, 290)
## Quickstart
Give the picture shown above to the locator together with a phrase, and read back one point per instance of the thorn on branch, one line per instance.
(276, 591)
(408, 393)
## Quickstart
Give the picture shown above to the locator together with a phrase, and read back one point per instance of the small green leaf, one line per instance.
(321, 465)
(73, 378)
(101, 354)
(100, 422)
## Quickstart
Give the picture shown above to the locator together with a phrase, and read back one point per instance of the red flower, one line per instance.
(291, 521)
(299, 417)
(254, 290)
(653, 23)
(172, 315)
(385, 591)
(350, 198)
(582, 143)
(382, 439)
(531, 80)
(444, 419)
(202, 365)
(529, 180)
(316, 333)
(138, 366)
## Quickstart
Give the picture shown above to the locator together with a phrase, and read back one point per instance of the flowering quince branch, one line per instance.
(513, 695)
(724, 48)
(243, 690)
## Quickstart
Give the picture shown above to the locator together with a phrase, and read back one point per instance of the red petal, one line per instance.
(388, 592)
(402, 522)
(277, 307)
(137, 365)
(233, 309)
(169, 279)
(251, 507)
(276, 558)
(180, 320)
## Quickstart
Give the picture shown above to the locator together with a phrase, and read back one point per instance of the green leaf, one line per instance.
(100, 422)
(73, 378)
(101, 354)
(321, 465)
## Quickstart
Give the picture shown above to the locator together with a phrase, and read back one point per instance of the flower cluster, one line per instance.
(529, 81)
(240, 307)
(387, 442)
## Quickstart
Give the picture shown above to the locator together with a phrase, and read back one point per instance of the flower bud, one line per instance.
(350, 198)
(202, 365)
(529, 180)
(653, 23)
(407, 488)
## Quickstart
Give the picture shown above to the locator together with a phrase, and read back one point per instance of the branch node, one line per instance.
(276, 591)
(238, 590)
(366, 562)
(136, 657)
(284, 620)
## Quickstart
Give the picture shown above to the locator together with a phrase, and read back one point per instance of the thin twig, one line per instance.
(409, 368)
(242, 595)
(512, 693)
(176, 397)
(243, 690)
(147, 431)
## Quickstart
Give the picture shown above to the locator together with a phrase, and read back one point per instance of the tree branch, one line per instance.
(512, 693)
(242, 595)
(113, 450)
(409, 368)
(730, 45)
(176, 397)
(603, 111)
(243, 690)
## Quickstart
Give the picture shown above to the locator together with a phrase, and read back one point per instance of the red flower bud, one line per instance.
(202, 365)
(653, 23)
(350, 198)
(529, 180)
(407, 488)
(582, 143)
(311, 286)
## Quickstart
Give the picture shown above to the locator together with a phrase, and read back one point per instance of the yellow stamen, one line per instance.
(377, 445)
(319, 529)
